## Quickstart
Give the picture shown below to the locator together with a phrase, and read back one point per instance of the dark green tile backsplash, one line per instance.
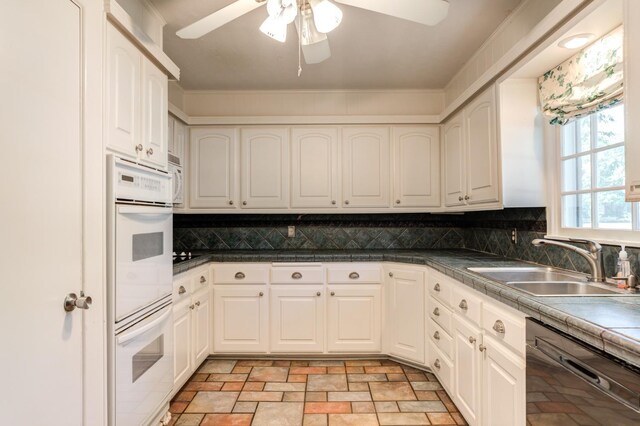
(488, 231)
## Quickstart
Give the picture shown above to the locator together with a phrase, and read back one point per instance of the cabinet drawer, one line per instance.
(442, 339)
(354, 274)
(297, 275)
(240, 274)
(504, 327)
(442, 367)
(467, 305)
(441, 287)
(441, 315)
(200, 279)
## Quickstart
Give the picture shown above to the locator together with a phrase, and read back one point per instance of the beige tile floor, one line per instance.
(310, 393)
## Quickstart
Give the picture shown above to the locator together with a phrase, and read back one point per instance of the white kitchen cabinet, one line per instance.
(314, 167)
(137, 102)
(177, 136)
(297, 318)
(201, 326)
(240, 319)
(214, 168)
(182, 347)
(468, 369)
(503, 390)
(365, 167)
(453, 159)
(265, 168)
(354, 318)
(416, 166)
(406, 313)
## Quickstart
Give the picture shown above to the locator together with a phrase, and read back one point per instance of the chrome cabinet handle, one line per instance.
(198, 303)
(397, 201)
(460, 198)
(391, 274)
(437, 287)
(192, 307)
(472, 340)
(150, 152)
(296, 275)
(318, 294)
(463, 305)
(346, 202)
(354, 275)
(139, 147)
(182, 290)
(436, 364)
(436, 335)
(466, 197)
(244, 203)
(202, 279)
(482, 348)
(240, 276)
(499, 327)
(333, 202)
(230, 202)
(333, 293)
(261, 294)
(72, 301)
(436, 312)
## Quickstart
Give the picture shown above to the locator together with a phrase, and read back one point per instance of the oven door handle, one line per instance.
(124, 338)
(157, 211)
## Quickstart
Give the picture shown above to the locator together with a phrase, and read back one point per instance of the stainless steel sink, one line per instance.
(563, 288)
(505, 275)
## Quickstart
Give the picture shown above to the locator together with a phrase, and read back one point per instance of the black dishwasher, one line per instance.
(571, 383)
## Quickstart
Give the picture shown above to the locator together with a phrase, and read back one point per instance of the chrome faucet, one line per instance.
(593, 255)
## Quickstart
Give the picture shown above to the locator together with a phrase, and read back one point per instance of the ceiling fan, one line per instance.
(316, 18)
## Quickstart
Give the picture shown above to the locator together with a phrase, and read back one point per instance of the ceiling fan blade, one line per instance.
(316, 52)
(218, 19)
(426, 12)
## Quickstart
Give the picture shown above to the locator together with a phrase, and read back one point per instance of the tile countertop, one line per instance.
(611, 324)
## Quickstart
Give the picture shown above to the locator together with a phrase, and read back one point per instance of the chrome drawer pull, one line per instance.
(333, 293)
(182, 290)
(437, 287)
(202, 279)
(391, 274)
(192, 307)
(239, 276)
(437, 364)
(463, 305)
(482, 348)
(472, 340)
(261, 294)
(318, 294)
(436, 335)
(296, 275)
(499, 327)
(198, 303)
(436, 312)
(354, 275)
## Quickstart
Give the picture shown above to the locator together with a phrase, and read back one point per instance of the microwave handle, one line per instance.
(124, 338)
(159, 211)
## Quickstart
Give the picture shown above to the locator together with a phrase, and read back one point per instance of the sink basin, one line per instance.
(563, 288)
(505, 275)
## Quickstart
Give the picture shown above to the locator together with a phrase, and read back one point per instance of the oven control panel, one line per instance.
(131, 182)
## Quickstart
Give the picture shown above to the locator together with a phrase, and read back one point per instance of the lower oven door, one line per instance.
(143, 367)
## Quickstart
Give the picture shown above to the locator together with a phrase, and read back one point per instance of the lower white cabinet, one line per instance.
(297, 318)
(354, 318)
(240, 319)
(201, 326)
(467, 374)
(406, 313)
(182, 336)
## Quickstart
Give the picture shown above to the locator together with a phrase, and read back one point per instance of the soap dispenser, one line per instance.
(623, 269)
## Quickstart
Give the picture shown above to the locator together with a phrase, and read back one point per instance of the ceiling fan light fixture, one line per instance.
(306, 26)
(284, 10)
(327, 16)
(275, 28)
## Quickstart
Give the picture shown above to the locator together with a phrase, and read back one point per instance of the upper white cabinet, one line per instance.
(454, 162)
(405, 307)
(177, 136)
(365, 167)
(416, 166)
(314, 167)
(137, 102)
(214, 168)
(265, 168)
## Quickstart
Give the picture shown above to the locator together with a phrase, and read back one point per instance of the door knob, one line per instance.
(346, 202)
(397, 201)
(230, 202)
(150, 152)
(333, 293)
(318, 294)
(139, 147)
(466, 197)
(460, 198)
(72, 301)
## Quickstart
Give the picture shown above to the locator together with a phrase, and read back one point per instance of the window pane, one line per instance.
(610, 126)
(610, 167)
(576, 173)
(584, 133)
(613, 212)
(569, 139)
(576, 211)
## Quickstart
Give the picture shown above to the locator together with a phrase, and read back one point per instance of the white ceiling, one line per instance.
(369, 50)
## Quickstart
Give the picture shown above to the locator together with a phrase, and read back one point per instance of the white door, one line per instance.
(240, 319)
(297, 319)
(155, 93)
(314, 167)
(416, 166)
(41, 257)
(467, 374)
(124, 128)
(201, 326)
(214, 168)
(482, 149)
(265, 168)
(182, 366)
(503, 386)
(365, 166)
(407, 314)
(454, 162)
(354, 318)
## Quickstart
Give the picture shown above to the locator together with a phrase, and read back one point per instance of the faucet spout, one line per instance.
(593, 255)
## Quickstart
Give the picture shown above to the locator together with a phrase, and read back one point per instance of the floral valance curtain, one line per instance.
(589, 81)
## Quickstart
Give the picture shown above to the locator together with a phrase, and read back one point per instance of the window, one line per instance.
(592, 173)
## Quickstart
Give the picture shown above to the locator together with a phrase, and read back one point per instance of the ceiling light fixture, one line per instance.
(326, 15)
(576, 41)
(275, 28)
(314, 44)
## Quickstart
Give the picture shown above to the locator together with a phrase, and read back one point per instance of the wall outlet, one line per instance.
(514, 236)
(291, 232)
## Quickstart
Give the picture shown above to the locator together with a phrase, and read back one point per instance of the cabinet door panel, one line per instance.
(240, 319)
(179, 138)
(201, 327)
(123, 94)
(297, 319)
(265, 168)
(214, 168)
(314, 167)
(155, 92)
(454, 162)
(467, 374)
(406, 310)
(366, 168)
(482, 149)
(182, 366)
(417, 166)
(354, 319)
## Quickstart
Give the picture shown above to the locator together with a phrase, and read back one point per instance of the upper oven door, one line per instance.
(144, 268)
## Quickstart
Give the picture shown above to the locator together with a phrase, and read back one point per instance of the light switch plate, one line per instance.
(291, 232)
